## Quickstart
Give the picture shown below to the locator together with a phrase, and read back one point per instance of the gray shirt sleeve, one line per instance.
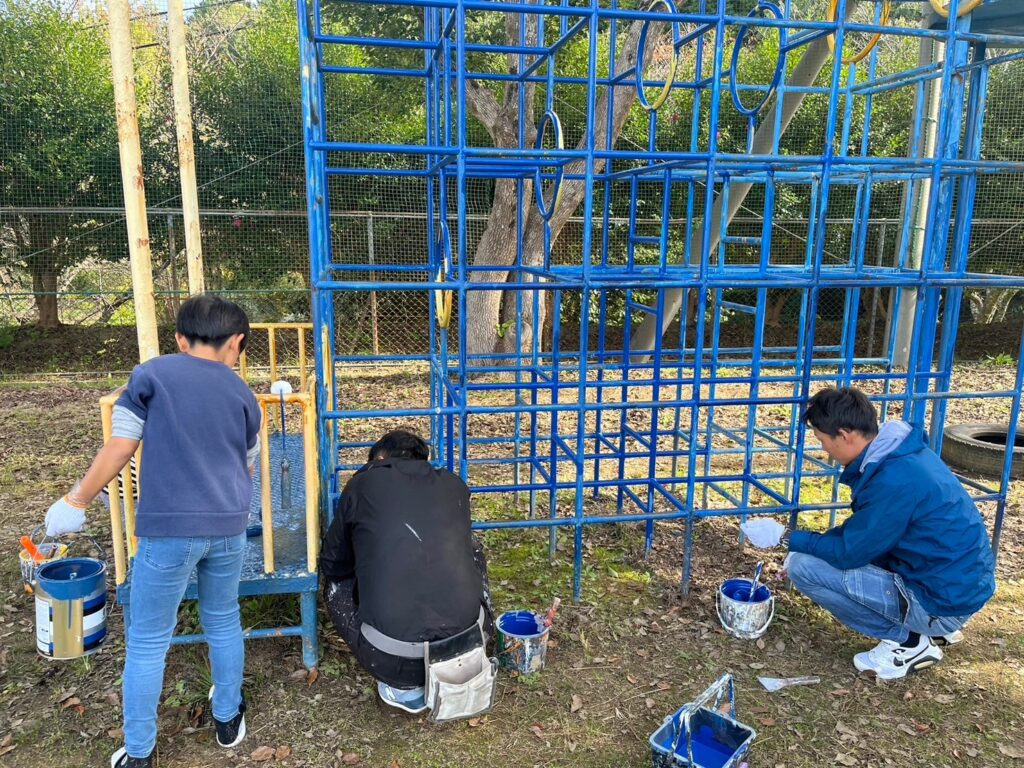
(252, 454)
(126, 424)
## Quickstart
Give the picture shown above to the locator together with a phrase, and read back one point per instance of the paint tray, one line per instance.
(700, 736)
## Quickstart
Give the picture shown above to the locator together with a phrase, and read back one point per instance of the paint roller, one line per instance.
(282, 388)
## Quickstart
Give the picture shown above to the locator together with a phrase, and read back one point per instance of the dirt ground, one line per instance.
(628, 655)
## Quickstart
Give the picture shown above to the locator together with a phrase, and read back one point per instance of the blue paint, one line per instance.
(521, 624)
(71, 579)
(708, 752)
(739, 590)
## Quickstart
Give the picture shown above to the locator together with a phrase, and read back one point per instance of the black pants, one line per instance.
(343, 605)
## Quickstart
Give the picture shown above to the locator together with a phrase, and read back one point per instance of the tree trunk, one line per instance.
(497, 246)
(44, 286)
(43, 264)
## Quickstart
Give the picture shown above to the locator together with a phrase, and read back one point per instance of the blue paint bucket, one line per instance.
(71, 607)
(742, 617)
(714, 740)
(700, 734)
(522, 641)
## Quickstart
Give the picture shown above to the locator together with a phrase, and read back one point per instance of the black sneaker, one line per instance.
(231, 733)
(120, 759)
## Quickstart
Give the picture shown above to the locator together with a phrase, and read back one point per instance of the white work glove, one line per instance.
(64, 516)
(784, 571)
(763, 533)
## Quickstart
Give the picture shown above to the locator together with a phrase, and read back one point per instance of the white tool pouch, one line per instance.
(460, 687)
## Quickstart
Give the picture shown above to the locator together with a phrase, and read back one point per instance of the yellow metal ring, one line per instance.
(443, 298)
(671, 78)
(965, 7)
(886, 11)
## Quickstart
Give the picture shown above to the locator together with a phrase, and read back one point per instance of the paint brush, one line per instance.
(549, 617)
(32, 549)
(755, 580)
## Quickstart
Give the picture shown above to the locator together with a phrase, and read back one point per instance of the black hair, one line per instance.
(831, 410)
(212, 320)
(400, 444)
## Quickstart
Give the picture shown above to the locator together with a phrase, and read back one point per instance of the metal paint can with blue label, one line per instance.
(71, 607)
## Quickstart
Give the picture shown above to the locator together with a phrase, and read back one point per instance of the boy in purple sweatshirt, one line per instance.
(199, 425)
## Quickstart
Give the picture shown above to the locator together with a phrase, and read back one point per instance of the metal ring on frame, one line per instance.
(966, 6)
(556, 191)
(780, 65)
(443, 298)
(677, 37)
(833, 8)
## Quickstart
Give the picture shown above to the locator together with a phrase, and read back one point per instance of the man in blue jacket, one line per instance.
(913, 562)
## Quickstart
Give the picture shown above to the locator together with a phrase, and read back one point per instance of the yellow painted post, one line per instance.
(265, 497)
(310, 463)
(243, 367)
(129, 500)
(272, 344)
(116, 523)
(186, 153)
(132, 177)
(301, 331)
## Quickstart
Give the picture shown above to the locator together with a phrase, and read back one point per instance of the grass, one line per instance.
(631, 652)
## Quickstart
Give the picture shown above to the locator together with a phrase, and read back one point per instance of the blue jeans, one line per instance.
(867, 600)
(160, 573)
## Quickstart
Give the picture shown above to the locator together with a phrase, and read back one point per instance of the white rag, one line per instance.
(763, 533)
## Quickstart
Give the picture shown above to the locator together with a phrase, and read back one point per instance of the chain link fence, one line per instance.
(65, 284)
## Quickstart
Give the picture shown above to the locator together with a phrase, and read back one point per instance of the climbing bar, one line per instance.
(780, 64)
(652, 106)
(872, 42)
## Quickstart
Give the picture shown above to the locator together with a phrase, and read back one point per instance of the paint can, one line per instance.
(522, 641)
(71, 607)
(742, 617)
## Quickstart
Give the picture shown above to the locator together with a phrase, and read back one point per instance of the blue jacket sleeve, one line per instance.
(879, 521)
(138, 392)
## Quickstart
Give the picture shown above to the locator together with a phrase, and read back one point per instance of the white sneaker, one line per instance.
(891, 661)
(409, 700)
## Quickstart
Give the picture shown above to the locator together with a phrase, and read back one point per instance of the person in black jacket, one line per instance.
(401, 565)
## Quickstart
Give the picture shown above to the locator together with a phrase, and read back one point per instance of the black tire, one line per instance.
(981, 449)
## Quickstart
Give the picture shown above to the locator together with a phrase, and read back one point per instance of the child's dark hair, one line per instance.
(212, 320)
(831, 410)
(400, 444)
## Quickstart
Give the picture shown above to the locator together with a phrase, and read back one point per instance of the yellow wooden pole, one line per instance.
(116, 523)
(272, 344)
(310, 461)
(132, 177)
(186, 150)
(265, 497)
(302, 357)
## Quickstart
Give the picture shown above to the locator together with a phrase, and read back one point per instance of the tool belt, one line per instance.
(460, 678)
